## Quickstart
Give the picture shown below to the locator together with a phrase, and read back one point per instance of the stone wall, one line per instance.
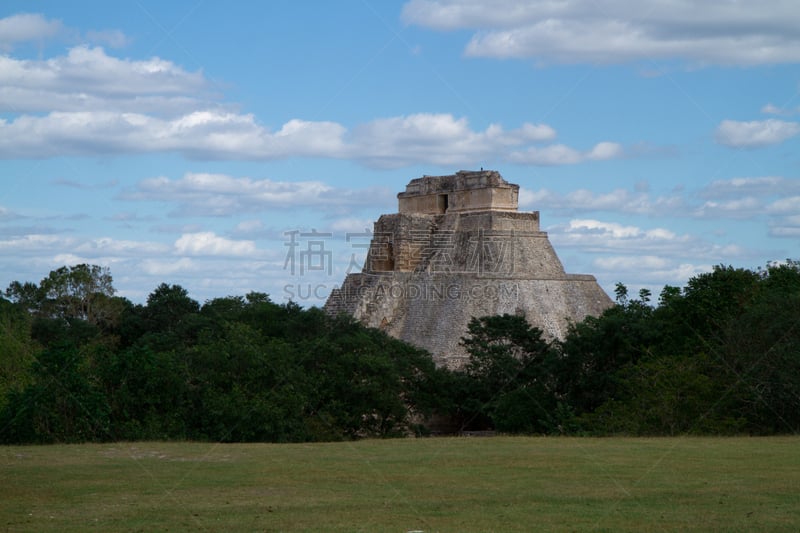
(426, 275)
(462, 192)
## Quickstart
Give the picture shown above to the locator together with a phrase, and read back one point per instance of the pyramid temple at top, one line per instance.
(458, 248)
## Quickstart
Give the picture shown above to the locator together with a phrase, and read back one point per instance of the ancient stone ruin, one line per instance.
(458, 248)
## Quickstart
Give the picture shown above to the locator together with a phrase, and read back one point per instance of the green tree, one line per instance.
(17, 349)
(61, 404)
(363, 382)
(72, 304)
(507, 380)
(170, 320)
(596, 352)
(758, 353)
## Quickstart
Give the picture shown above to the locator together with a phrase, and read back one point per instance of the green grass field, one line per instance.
(437, 484)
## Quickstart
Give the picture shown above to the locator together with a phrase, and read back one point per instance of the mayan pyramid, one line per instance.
(458, 248)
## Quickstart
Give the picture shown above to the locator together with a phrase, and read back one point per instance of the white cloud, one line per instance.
(353, 225)
(529, 199)
(201, 134)
(113, 38)
(618, 200)
(735, 198)
(771, 109)
(204, 263)
(595, 236)
(208, 243)
(749, 197)
(559, 154)
(7, 214)
(201, 194)
(744, 207)
(790, 205)
(216, 134)
(786, 227)
(88, 102)
(605, 150)
(160, 267)
(38, 243)
(631, 263)
(610, 229)
(650, 270)
(755, 133)
(88, 79)
(555, 154)
(599, 237)
(439, 139)
(249, 226)
(613, 31)
(27, 27)
(101, 249)
(117, 247)
(34, 27)
(753, 186)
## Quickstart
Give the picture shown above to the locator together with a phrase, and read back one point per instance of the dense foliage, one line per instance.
(719, 356)
(82, 365)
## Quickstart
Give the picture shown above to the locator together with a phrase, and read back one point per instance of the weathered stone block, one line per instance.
(438, 263)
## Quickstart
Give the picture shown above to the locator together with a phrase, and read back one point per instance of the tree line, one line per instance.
(78, 363)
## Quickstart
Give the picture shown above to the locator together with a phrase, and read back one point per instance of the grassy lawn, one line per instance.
(447, 484)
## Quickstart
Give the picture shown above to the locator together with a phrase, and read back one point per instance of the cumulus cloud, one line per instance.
(618, 200)
(785, 227)
(437, 138)
(614, 31)
(119, 247)
(744, 207)
(112, 38)
(88, 79)
(613, 238)
(789, 205)
(208, 134)
(630, 263)
(733, 199)
(751, 186)
(208, 243)
(615, 230)
(160, 267)
(27, 27)
(249, 227)
(747, 197)
(755, 133)
(559, 154)
(7, 214)
(202, 194)
(205, 263)
(51, 249)
(88, 102)
(352, 226)
(648, 269)
(21, 245)
(34, 27)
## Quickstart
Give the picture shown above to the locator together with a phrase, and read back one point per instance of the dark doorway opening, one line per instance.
(442, 203)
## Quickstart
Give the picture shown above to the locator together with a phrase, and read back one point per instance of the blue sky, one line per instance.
(186, 142)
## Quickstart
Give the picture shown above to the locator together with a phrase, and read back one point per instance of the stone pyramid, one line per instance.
(458, 248)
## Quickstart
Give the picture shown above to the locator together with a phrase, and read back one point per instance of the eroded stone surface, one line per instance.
(457, 249)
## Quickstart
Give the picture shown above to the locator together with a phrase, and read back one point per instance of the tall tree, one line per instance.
(507, 385)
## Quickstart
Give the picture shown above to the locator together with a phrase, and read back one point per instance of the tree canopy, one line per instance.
(77, 363)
